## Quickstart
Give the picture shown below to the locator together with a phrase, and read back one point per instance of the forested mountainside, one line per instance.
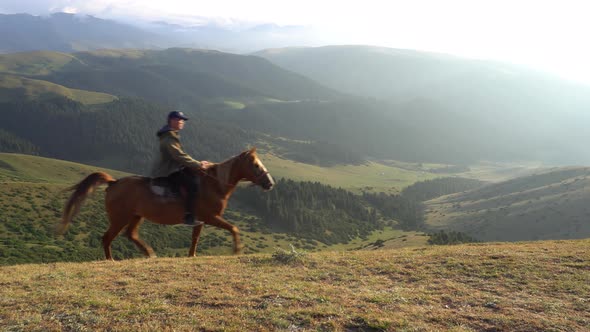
(122, 135)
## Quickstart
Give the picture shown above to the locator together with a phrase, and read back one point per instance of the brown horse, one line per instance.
(129, 200)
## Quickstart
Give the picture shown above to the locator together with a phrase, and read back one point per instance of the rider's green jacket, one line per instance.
(171, 157)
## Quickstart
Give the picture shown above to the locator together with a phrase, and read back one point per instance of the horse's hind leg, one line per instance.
(196, 234)
(108, 237)
(235, 232)
(133, 235)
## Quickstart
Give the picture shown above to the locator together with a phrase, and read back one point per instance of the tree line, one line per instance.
(334, 215)
(14, 144)
(429, 189)
(312, 210)
(451, 237)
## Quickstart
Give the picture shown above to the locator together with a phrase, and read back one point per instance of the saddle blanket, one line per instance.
(164, 187)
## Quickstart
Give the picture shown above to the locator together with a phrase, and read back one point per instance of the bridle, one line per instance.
(259, 177)
(256, 179)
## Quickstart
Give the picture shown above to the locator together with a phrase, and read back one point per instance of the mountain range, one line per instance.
(65, 32)
(478, 112)
(378, 102)
(505, 111)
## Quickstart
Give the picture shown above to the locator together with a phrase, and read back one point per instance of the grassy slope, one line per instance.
(32, 198)
(25, 168)
(15, 87)
(370, 176)
(550, 205)
(498, 172)
(117, 53)
(388, 176)
(540, 286)
(34, 63)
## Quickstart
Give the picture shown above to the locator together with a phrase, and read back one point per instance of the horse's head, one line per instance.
(254, 171)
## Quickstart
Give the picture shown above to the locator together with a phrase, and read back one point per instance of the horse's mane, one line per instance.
(222, 170)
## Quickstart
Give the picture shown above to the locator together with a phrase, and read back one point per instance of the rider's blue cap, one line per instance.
(177, 115)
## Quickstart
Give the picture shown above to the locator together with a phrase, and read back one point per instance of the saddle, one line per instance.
(165, 188)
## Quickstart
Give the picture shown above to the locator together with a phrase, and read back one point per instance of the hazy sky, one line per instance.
(546, 34)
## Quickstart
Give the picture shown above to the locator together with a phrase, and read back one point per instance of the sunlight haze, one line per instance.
(547, 35)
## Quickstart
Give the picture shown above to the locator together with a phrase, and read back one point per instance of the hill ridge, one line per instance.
(37, 169)
(206, 74)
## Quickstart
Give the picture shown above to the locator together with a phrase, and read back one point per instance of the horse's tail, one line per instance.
(81, 192)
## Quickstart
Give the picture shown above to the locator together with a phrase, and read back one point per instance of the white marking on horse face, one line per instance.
(258, 162)
(263, 169)
(270, 179)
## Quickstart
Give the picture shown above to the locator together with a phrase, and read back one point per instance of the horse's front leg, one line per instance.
(218, 221)
(196, 234)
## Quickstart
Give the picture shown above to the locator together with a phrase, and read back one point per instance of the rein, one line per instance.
(230, 166)
(262, 174)
(214, 178)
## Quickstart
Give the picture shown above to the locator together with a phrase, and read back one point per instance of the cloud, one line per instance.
(70, 10)
(24, 6)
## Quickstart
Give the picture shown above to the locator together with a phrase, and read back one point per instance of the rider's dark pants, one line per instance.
(188, 180)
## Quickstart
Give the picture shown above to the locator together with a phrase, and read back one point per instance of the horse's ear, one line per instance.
(248, 152)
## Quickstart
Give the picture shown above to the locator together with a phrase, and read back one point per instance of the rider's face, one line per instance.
(176, 124)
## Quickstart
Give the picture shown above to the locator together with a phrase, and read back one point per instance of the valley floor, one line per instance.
(530, 286)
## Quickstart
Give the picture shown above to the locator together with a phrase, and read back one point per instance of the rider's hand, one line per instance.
(205, 164)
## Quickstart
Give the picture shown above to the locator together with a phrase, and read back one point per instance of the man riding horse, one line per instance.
(130, 200)
(175, 164)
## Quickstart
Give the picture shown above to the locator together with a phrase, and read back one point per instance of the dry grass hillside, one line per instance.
(535, 286)
(549, 205)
